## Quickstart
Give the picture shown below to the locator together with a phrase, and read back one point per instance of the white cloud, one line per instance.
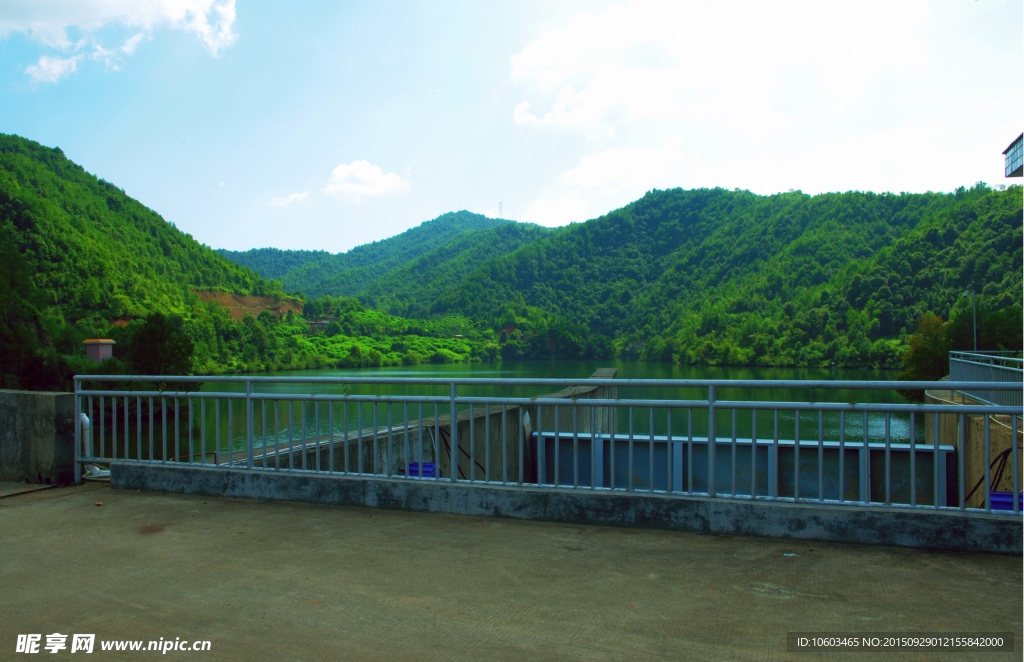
(49, 21)
(720, 63)
(52, 69)
(130, 44)
(568, 208)
(352, 181)
(770, 96)
(284, 201)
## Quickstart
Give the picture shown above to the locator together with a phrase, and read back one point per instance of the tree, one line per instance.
(18, 335)
(158, 347)
(927, 357)
(313, 309)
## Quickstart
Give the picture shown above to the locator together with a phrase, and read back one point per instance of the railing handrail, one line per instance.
(582, 381)
(988, 356)
(595, 402)
(1005, 368)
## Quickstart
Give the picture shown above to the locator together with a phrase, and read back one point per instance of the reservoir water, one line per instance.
(339, 417)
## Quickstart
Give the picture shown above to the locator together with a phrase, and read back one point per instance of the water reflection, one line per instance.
(297, 420)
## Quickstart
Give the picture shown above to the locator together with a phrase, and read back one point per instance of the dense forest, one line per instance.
(411, 289)
(448, 247)
(710, 270)
(80, 259)
(704, 277)
(712, 276)
(273, 263)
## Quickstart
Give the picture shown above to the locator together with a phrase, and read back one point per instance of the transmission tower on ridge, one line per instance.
(499, 209)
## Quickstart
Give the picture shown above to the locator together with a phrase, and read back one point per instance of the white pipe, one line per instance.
(86, 426)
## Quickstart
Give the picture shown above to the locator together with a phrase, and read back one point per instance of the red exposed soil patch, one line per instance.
(239, 305)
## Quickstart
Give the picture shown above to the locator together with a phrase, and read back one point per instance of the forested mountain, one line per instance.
(273, 263)
(95, 251)
(316, 273)
(80, 259)
(717, 276)
(705, 277)
(411, 289)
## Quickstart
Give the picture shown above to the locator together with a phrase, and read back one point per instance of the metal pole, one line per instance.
(753, 454)
(913, 461)
(842, 456)
(629, 477)
(987, 501)
(1016, 468)
(796, 455)
(248, 424)
(689, 450)
(961, 460)
(79, 448)
(711, 441)
(453, 424)
(557, 439)
(732, 462)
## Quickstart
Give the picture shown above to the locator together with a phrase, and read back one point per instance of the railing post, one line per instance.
(961, 461)
(712, 437)
(78, 434)
(865, 464)
(454, 434)
(249, 424)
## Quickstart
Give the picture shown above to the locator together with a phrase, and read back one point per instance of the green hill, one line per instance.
(273, 263)
(412, 288)
(704, 276)
(717, 276)
(79, 259)
(95, 251)
(364, 270)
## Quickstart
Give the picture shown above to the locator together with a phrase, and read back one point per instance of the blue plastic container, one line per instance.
(1004, 501)
(430, 470)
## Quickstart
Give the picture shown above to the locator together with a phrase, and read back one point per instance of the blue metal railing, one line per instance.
(585, 437)
(989, 367)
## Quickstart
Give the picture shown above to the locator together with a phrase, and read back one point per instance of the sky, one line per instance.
(326, 125)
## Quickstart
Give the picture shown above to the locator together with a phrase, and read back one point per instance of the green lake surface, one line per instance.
(339, 417)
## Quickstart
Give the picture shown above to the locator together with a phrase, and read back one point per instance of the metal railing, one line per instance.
(584, 438)
(989, 367)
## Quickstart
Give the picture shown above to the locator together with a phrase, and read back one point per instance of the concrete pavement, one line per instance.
(283, 581)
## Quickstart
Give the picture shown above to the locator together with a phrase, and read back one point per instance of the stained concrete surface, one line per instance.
(284, 581)
(37, 437)
(848, 523)
(8, 488)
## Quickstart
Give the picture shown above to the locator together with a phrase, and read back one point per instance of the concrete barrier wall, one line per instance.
(37, 437)
(952, 531)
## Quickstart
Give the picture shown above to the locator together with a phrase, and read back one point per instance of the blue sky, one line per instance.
(328, 125)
